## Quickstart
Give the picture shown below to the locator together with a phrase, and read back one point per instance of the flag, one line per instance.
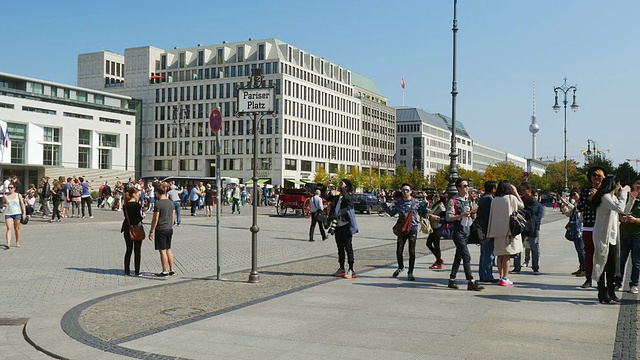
(402, 83)
(6, 138)
(395, 158)
(1, 137)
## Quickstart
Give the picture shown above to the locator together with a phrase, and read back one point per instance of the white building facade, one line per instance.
(318, 121)
(61, 130)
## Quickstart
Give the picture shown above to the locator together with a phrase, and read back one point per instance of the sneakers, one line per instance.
(350, 274)
(162, 274)
(436, 265)
(410, 277)
(171, 273)
(516, 270)
(633, 289)
(91, 217)
(536, 272)
(473, 286)
(397, 272)
(452, 284)
(505, 282)
(339, 273)
(311, 240)
(579, 273)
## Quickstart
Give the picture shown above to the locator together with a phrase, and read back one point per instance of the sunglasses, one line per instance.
(405, 190)
(464, 186)
(11, 187)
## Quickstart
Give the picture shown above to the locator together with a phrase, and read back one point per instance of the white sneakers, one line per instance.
(633, 289)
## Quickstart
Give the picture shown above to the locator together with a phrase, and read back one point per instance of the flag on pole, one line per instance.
(1, 137)
(6, 138)
(403, 83)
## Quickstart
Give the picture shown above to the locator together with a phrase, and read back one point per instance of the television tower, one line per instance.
(534, 127)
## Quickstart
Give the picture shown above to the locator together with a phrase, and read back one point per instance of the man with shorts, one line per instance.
(162, 225)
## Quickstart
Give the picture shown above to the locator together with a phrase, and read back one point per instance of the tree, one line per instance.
(341, 173)
(555, 175)
(416, 179)
(539, 183)
(505, 170)
(322, 177)
(624, 172)
(439, 181)
(400, 177)
(384, 180)
(358, 178)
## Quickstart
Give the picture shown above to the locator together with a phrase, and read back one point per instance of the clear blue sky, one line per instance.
(503, 47)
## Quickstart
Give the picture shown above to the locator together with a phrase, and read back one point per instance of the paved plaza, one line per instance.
(65, 283)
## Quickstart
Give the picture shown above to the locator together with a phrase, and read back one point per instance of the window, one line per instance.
(104, 157)
(220, 56)
(51, 154)
(163, 62)
(84, 137)
(109, 140)
(200, 57)
(181, 60)
(84, 157)
(305, 165)
(261, 52)
(240, 55)
(38, 110)
(18, 137)
(51, 134)
(290, 164)
(113, 121)
(81, 96)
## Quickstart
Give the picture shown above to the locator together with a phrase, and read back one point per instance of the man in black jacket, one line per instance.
(535, 212)
(486, 248)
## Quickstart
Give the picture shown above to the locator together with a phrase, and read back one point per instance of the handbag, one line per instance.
(425, 226)
(517, 222)
(136, 232)
(573, 229)
(476, 234)
(403, 225)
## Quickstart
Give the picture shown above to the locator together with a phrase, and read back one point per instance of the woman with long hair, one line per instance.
(133, 215)
(437, 211)
(505, 202)
(609, 200)
(56, 198)
(14, 211)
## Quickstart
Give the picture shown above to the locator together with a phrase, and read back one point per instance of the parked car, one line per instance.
(366, 203)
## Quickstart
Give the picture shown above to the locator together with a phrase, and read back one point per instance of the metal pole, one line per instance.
(453, 170)
(566, 180)
(179, 131)
(218, 204)
(254, 277)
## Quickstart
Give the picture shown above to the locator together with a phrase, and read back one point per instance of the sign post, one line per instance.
(215, 120)
(257, 100)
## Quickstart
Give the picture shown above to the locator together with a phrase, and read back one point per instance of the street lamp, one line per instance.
(637, 161)
(565, 89)
(453, 170)
(178, 112)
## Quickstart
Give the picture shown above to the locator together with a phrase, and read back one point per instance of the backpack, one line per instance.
(76, 190)
(446, 228)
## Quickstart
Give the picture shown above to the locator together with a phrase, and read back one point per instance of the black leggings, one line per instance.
(56, 208)
(433, 243)
(402, 239)
(136, 248)
(86, 201)
(344, 242)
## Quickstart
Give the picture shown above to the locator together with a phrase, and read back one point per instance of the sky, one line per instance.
(503, 47)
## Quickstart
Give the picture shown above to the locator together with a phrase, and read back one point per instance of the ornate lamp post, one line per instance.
(178, 112)
(453, 170)
(574, 107)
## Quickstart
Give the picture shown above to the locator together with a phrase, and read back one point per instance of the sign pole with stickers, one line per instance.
(215, 121)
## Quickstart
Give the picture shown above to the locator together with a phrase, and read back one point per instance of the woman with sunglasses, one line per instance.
(14, 211)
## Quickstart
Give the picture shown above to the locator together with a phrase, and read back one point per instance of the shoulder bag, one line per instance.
(573, 228)
(136, 232)
(403, 225)
(517, 221)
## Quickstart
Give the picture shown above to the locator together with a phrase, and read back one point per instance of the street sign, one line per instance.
(256, 100)
(526, 175)
(215, 120)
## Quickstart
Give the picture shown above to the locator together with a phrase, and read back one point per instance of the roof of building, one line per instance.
(405, 114)
(364, 83)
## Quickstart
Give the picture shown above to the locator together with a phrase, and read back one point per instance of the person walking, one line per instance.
(459, 210)
(161, 225)
(316, 209)
(265, 195)
(406, 206)
(45, 194)
(76, 197)
(485, 267)
(438, 211)
(133, 215)
(609, 200)
(150, 194)
(503, 205)
(66, 197)
(595, 174)
(175, 196)
(86, 197)
(630, 237)
(235, 195)
(346, 226)
(107, 194)
(14, 211)
(208, 201)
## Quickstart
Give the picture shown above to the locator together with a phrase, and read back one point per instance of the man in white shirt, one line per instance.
(316, 209)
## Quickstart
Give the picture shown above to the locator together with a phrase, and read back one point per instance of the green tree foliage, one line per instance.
(416, 179)
(505, 171)
(384, 180)
(539, 182)
(358, 178)
(399, 177)
(341, 173)
(625, 172)
(322, 177)
(555, 176)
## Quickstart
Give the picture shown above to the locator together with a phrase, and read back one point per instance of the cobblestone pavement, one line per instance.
(79, 256)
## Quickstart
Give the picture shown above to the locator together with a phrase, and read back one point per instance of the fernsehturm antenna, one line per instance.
(534, 128)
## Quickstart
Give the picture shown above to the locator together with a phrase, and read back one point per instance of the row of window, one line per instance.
(319, 97)
(202, 92)
(215, 72)
(377, 158)
(219, 59)
(321, 133)
(114, 68)
(320, 151)
(310, 76)
(64, 113)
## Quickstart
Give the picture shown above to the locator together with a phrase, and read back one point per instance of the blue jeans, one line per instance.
(579, 245)
(630, 245)
(535, 255)
(177, 207)
(486, 255)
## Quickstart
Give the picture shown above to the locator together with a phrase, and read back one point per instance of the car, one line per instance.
(366, 203)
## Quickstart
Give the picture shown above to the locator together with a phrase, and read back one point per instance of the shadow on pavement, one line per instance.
(522, 298)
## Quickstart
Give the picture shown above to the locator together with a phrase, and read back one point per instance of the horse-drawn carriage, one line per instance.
(298, 200)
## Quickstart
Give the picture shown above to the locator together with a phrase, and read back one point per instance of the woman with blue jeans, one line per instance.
(630, 237)
(14, 211)
(568, 207)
